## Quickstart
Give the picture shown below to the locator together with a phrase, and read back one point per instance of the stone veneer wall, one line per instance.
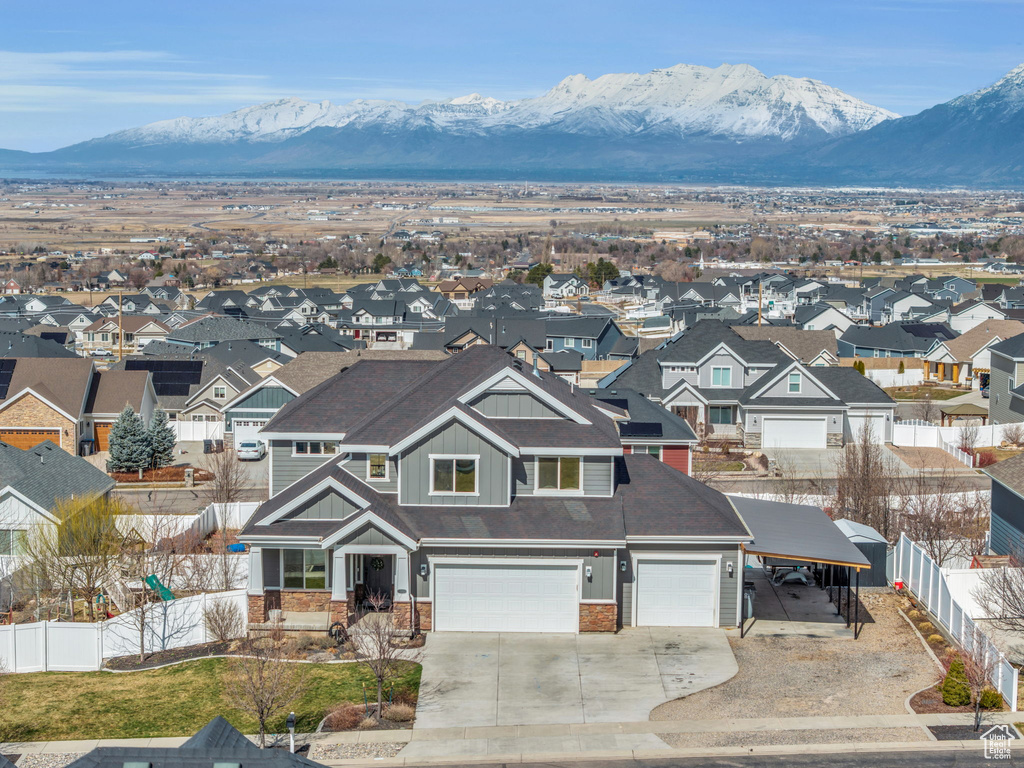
(599, 617)
(31, 413)
(257, 609)
(402, 613)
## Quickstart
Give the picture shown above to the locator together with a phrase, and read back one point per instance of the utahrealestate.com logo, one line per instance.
(997, 741)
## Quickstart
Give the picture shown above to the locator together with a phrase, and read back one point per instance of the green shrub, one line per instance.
(903, 368)
(990, 699)
(955, 690)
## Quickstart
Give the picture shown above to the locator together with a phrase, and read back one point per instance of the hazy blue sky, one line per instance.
(72, 71)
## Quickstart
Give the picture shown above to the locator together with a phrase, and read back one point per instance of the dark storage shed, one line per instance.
(873, 546)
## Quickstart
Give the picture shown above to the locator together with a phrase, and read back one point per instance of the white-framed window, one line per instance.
(521, 354)
(1012, 384)
(720, 414)
(454, 475)
(794, 383)
(558, 473)
(219, 393)
(549, 344)
(12, 542)
(588, 343)
(198, 417)
(721, 377)
(313, 448)
(570, 342)
(377, 467)
(653, 450)
(304, 568)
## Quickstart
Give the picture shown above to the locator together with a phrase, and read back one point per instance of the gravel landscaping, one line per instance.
(49, 760)
(327, 753)
(801, 676)
(776, 738)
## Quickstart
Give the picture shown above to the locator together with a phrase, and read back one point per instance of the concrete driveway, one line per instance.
(485, 679)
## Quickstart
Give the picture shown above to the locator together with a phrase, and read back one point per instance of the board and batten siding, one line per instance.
(286, 469)
(513, 405)
(672, 374)
(357, 465)
(601, 585)
(597, 475)
(1007, 521)
(1002, 407)
(326, 505)
(728, 588)
(256, 405)
(492, 469)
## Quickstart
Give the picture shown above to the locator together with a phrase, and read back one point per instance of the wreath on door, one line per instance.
(377, 563)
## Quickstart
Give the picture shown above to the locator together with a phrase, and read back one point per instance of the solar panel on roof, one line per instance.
(6, 374)
(615, 402)
(640, 429)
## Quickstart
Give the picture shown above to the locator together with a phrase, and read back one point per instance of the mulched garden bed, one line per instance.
(349, 718)
(175, 474)
(958, 732)
(158, 659)
(929, 702)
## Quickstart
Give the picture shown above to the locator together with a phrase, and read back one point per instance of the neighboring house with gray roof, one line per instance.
(477, 493)
(1006, 522)
(755, 392)
(213, 329)
(32, 482)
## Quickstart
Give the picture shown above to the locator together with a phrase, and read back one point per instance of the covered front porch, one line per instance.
(312, 588)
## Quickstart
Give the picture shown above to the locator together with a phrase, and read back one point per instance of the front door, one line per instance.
(379, 575)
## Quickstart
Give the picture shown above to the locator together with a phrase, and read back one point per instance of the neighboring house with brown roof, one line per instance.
(247, 413)
(461, 290)
(814, 348)
(138, 331)
(62, 400)
(966, 359)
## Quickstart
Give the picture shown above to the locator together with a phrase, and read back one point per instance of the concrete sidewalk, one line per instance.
(579, 741)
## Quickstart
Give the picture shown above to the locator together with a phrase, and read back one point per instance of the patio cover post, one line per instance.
(856, 610)
(848, 612)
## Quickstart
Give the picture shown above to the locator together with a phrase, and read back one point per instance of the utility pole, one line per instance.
(120, 328)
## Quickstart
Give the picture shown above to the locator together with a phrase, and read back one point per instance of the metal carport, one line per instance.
(803, 533)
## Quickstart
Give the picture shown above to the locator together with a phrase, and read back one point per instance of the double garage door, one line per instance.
(676, 593)
(29, 438)
(794, 432)
(471, 597)
(247, 430)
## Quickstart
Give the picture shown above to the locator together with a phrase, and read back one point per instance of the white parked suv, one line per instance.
(251, 450)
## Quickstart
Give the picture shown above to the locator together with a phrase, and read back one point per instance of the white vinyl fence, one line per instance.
(190, 431)
(56, 646)
(922, 576)
(918, 434)
(889, 377)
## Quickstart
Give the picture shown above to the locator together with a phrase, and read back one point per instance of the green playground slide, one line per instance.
(154, 583)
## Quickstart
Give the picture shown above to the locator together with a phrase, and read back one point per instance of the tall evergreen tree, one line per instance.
(129, 443)
(161, 440)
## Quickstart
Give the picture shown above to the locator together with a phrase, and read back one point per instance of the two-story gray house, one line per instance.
(478, 493)
(1006, 381)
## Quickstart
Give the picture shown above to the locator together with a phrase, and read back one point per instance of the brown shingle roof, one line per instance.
(62, 381)
(964, 347)
(806, 345)
(312, 368)
(130, 323)
(113, 390)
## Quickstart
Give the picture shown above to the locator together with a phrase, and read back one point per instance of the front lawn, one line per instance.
(916, 393)
(174, 701)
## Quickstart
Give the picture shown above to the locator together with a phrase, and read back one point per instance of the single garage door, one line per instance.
(855, 428)
(506, 598)
(246, 430)
(794, 433)
(101, 433)
(29, 438)
(676, 593)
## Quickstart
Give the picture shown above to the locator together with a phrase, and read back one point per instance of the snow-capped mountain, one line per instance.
(734, 101)
(977, 138)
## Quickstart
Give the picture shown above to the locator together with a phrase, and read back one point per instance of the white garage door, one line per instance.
(676, 593)
(246, 430)
(794, 433)
(506, 598)
(855, 428)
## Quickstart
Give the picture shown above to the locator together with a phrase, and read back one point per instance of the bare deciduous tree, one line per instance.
(940, 513)
(261, 682)
(224, 620)
(979, 658)
(865, 474)
(227, 487)
(926, 408)
(1013, 433)
(967, 437)
(1001, 595)
(376, 636)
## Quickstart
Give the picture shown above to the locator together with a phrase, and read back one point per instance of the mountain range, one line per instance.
(690, 123)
